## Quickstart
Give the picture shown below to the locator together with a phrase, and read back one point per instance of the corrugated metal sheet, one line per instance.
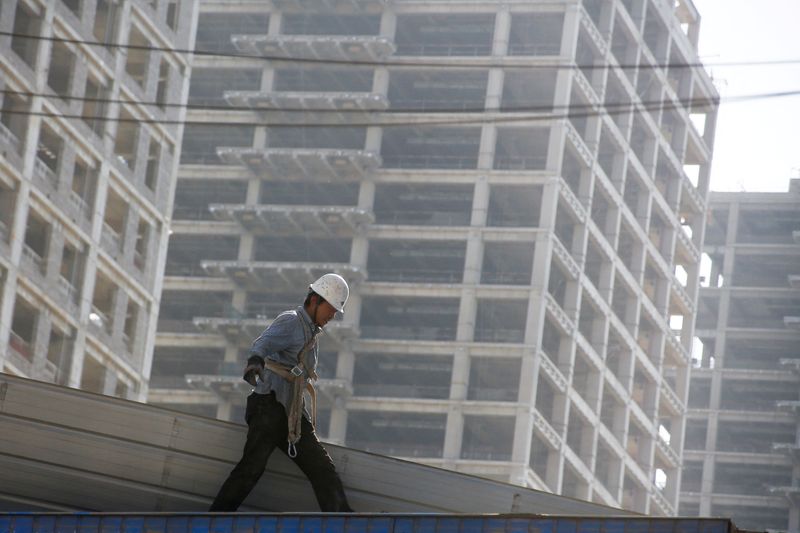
(316, 523)
(68, 450)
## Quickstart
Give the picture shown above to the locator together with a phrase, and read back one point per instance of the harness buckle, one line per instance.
(296, 371)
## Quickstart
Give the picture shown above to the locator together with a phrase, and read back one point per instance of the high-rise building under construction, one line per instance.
(89, 132)
(741, 448)
(516, 193)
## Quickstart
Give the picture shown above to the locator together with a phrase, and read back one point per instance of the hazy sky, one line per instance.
(757, 145)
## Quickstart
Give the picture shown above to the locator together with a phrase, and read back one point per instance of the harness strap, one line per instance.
(296, 376)
(285, 371)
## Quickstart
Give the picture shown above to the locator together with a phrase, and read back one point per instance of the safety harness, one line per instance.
(302, 379)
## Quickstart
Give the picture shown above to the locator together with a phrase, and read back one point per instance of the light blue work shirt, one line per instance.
(281, 342)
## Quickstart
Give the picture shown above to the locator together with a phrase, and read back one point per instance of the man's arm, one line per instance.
(277, 337)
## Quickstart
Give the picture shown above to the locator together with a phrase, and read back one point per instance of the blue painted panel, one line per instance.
(372, 523)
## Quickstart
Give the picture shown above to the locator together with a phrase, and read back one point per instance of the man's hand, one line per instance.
(253, 369)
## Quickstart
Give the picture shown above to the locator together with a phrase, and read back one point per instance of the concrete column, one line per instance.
(529, 381)
(143, 135)
(129, 234)
(487, 146)
(80, 72)
(139, 335)
(224, 408)
(555, 469)
(152, 68)
(494, 89)
(44, 51)
(275, 22)
(480, 202)
(794, 510)
(149, 334)
(388, 27)
(473, 262)
(380, 81)
(466, 315)
(521, 447)
(55, 249)
(374, 139)
(118, 316)
(41, 339)
(523, 428)
(110, 382)
(85, 300)
(502, 30)
(458, 393)
(707, 482)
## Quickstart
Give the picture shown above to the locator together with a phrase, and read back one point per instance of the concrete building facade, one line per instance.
(740, 456)
(86, 184)
(516, 192)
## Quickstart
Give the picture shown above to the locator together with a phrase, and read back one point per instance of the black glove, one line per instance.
(255, 364)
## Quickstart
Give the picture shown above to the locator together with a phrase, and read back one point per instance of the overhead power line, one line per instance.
(542, 108)
(436, 119)
(474, 61)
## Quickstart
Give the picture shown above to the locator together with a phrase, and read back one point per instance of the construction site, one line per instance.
(514, 283)
(740, 456)
(517, 194)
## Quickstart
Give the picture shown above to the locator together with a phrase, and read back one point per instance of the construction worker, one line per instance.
(281, 365)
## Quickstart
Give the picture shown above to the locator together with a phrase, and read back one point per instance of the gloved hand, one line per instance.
(253, 369)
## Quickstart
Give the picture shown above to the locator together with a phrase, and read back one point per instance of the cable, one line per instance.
(399, 62)
(228, 108)
(602, 110)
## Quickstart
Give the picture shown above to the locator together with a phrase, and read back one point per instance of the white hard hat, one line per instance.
(333, 288)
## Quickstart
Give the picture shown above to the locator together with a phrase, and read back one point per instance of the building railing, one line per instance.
(398, 450)
(536, 49)
(436, 104)
(100, 320)
(485, 454)
(20, 346)
(424, 218)
(139, 260)
(110, 238)
(444, 50)
(67, 289)
(504, 219)
(78, 203)
(492, 395)
(33, 257)
(489, 277)
(9, 138)
(431, 161)
(520, 162)
(662, 502)
(49, 372)
(409, 275)
(428, 333)
(176, 326)
(186, 270)
(189, 157)
(668, 451)
(191, 213)
(499, 335)
(45, 171)
(169, 382)
(402, 391)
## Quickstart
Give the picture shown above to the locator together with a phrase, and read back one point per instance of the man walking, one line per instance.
(282, 365)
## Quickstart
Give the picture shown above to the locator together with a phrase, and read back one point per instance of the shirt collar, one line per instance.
(307, 320)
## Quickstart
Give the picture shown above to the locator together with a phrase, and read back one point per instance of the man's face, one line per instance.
(324, 313)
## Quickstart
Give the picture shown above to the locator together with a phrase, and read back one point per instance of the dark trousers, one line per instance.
(268, 429)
